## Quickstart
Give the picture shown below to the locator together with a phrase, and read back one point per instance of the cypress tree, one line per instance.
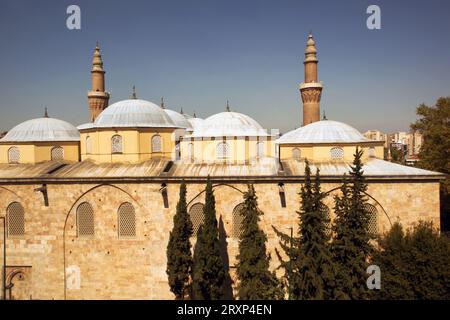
(310, 270)
(208, 271)
(179, 256)
(256, 282)
(351, 247)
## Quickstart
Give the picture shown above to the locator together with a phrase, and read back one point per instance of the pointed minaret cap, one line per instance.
(228, 107)
(162, 103)
(133, 94)
(46, 113)
(310, 51)
(97, 62)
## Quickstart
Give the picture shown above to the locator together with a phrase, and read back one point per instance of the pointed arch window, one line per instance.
(191, 151)
(85, 220)
(296, 154)
(57, 153)
(197, 217)
(373, 219)
(222, 151)
(238, 221)
(88, 145)
(371, 152)
(127, 220)
(15, 217)
(156, 143)
(260, 149)
(116, 144)
(13, 155)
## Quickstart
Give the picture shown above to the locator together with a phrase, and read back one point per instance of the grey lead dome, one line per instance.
(42, 129)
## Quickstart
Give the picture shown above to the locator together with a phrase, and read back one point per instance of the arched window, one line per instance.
(222, 151)
(15, 220)
(191, 151)
(337, 153)
(13, 155)
(371, 152)
(373, 219)
(57, 153)
(127, 220)
(197, 217)
(296, 154)
(116, 144)
(238, 220)
(156, 143)
(260, 149)
(326, 211)
(85, 220)
(88, 145)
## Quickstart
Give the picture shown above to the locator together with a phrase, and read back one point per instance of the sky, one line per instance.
(199, 53)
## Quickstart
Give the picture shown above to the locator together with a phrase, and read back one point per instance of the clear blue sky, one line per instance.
(199, 53)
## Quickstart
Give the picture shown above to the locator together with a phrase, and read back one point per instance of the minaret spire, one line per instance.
(311, 88)
(98, 98)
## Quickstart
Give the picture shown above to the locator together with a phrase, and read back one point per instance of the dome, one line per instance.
(42, 129)
(229, 124)
(195, 122)
(324, 131)
(179, 119)
(133, 113)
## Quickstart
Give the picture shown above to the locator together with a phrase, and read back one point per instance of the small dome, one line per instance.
(195, 122)
(179, 119)
(42, 129)
(133, 113)
(324, 131)
(229, 124)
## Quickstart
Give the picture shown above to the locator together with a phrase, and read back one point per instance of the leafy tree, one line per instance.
(310, 270)
(434, 125)
(179, 256)
(415, 265)
(256, 282)
(350, 246)
(208, 271)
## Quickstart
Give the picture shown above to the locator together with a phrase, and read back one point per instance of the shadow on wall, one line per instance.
(227, 286)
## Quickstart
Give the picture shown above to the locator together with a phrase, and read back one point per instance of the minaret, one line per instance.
(98, 98)
(311, 89)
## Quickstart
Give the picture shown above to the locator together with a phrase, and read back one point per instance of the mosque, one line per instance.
(87, 210)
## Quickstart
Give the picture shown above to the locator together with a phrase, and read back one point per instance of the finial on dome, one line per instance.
(133, 95)
(228, 106)
(46, 113)
(195, 116)
(324, 117)
(181, 110)
(162, 103)
(97, 46)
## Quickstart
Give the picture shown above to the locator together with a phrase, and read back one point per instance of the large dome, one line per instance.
(42, 129)
(229, 124)
(179, 119)
(325, 131)
(133, 113)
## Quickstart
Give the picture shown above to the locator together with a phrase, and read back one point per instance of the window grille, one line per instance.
(57, 153)
(13, 155)
(373, 219)
(260, 149)
(15, 219)
(296, 154)
(337, 153)
(85, 220)
(238, 220)
(156, 143)
(116, 144)
(222, 151)
(326, 211)
(127, 220)
(197, 217)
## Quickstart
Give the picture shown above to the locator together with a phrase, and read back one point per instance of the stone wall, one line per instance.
(50, 257)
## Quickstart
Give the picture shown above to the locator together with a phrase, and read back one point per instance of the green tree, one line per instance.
(350, 246)
(310, 270)
(415, 265)
(434, 154)
(256, 282)
(208, 271)
(179, 256)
